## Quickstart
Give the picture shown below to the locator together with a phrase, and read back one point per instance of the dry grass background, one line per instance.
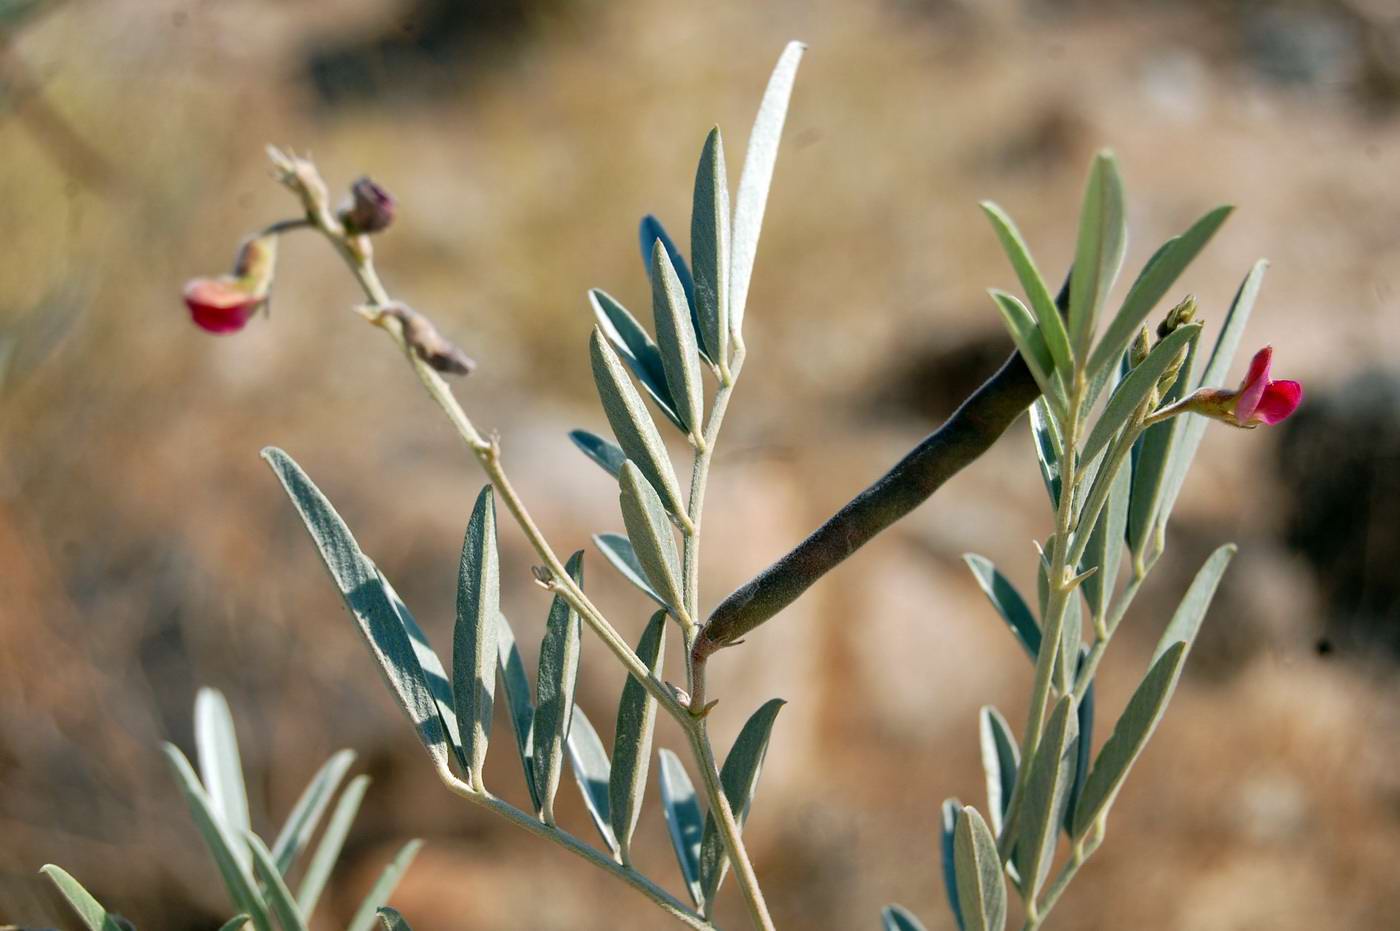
(144, 549)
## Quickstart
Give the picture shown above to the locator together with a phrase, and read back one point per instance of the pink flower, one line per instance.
(1258, 400)
(220, 305)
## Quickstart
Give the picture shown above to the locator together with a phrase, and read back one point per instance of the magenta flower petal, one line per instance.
(1280, 399)
(1254, 385)
(219, 305)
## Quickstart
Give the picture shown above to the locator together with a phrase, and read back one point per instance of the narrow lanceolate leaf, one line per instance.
(554, 691)
(474, 654)
(221, 843)
(318, 870)
(1153, 282)
(1105, 549)
(1007, 601)
(1029, 342)
(1103, 238)
(439, 684)
(683, 821)
(981, 883)
(709, 248)
(1151, 458)
(1129, 736)
(739, 779)
(635, 432)
(391, 920)
(367, 915)
(617, 550)
(219, 765)
(511, 669)
(1134, 389)
(651, 537)
(756, 178)
(947, 848)
(1186, 622)
(899, 918)
(636, 348)
(368, 599)
(1000, 761)
(593, 772)
(636, 719)
(1083, 751)
(675, 337)
(651, 231)
(608, 455)
(1051, 326)
(1184, 451)
(1047, 448)
(89, 911)
(1052, 772)
(306, 814)
(279, 897)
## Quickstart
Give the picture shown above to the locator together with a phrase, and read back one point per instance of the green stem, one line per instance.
(1120, 609)
(1081, 853)
(663, 899)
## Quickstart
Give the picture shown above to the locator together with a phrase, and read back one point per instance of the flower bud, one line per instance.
(369, 209)
(1140, 348)
(1178, 317)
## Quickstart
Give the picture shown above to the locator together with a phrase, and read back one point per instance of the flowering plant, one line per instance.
(1109, 410)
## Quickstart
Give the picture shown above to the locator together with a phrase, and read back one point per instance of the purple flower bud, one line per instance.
(370, 208)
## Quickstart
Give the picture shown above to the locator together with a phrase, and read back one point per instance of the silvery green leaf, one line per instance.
(636, 348)
(632, 426)
(1047, 448)
(683, 821)
(236, 923)
(306, 813)
(439, 685)
(511, 669)
(1048, 322)
(1105, 548)
(1186, 622)
(1151, 457)
(1098, 255)
(554, 690)
(318, 870)
(1085, 746)
(606, 454)
(279, 897)
(474, 654)
(391, 920)
(93, 916)
(755, 179)
(651, 231)
(1184, 451)
(739, 779)
(1007, 601)
(651, 537)
(1047, 788)
(1155, 279)
(1000, 761)
(220, 767)
(617, 550)
(981, 883)
(366, 596)
(1030, 344)
(675, 337)
(237, 879)
(367, 915)
(709, 249)
(947, 830)
(593, 772)
(631, 758)
(899, 918)
(1130, 734)
(1134, 389)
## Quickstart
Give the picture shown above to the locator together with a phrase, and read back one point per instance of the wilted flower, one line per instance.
(226, 303)
(1257, 401)
(369, 209)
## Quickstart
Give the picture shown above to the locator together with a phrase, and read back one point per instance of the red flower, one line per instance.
(1257, 400)
(220, 305)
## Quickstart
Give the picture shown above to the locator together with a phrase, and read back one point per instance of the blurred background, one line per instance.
(146, 551)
